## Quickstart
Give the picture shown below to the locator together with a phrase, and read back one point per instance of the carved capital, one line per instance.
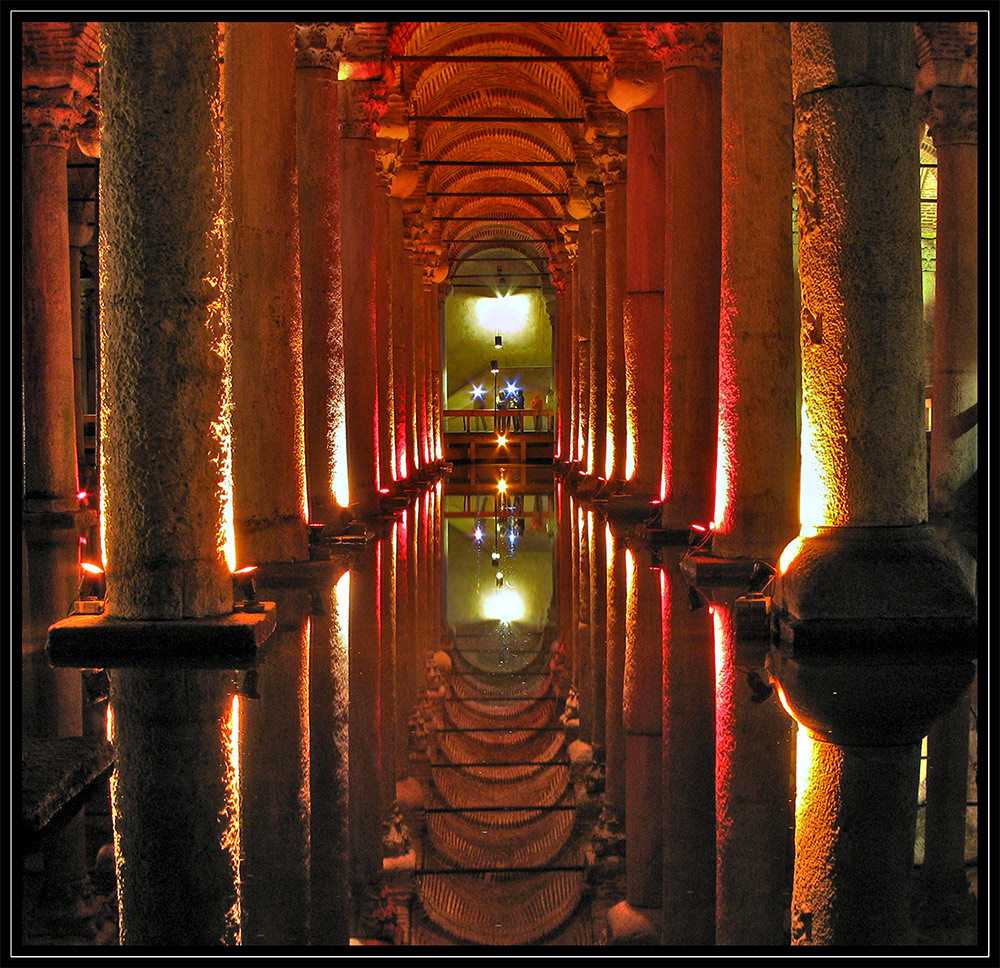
(610, 156)
(388, 157)
(361, 106)
(51, 116)
(694, 44)
(951, 114)
(947, 55)
(594, 192)
(320, 44)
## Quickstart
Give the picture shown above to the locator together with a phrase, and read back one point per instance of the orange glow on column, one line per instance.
(630, 445)
(792, 549)
(609, 454)
(231, 835)
(728, 398)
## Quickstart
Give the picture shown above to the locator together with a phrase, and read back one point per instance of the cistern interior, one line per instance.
(499, 484)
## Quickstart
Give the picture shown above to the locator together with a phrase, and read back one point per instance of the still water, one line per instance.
(431, 747)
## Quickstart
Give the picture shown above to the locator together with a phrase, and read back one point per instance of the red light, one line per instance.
(91, 569)
(245, 570)
(83, 540)
(81, 495)
(383, 490)
(656, 500)
(699, 527)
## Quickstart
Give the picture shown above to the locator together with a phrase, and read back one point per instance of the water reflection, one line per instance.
(419, 753)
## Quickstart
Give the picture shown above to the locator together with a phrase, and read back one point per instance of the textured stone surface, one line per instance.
(163, 423)
(262, 239)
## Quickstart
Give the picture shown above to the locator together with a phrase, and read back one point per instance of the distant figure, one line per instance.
(537, 404)
(518, 405)
(503, 402)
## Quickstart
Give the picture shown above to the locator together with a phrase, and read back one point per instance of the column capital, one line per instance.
(594, 192)
(611, 157)
(51, 116)
(360, 107)
(321, 44)
(951, 114)
(694, 44)
(388, 159)
(947, 83)
(947, 55)
(570, 236)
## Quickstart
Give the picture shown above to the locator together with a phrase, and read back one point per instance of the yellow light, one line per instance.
(502, 485)
(502, 440)
(503, 314)
(504, 605)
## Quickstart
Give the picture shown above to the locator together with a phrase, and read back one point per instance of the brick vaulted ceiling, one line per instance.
(500, 118)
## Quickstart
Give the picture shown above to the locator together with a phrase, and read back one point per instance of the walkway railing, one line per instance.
(492, 421)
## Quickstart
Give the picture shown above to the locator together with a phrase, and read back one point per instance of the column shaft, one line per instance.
(264, 294)
(756, 488)
(322, 307)
(357, 253)
(164, 527)
(644, 301)
(615, 282)
(597, 377)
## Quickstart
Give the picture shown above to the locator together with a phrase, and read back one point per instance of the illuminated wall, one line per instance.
(470, 333)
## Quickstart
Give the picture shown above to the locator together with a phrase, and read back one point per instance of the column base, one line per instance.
(105, 642)
(633, 926)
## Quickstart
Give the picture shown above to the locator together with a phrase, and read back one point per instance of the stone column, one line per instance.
(564, 342)
(402, 343)
(274, 781)
(317, 60)
(611, 162)
(264, 293)
(947, 91)
(689, 850)
(52, 109)
(386, 159)
(411, 284)
(164, 520)
(360, 108)
(597, 377)
(329, 723)
(598, 610)
(583, 643)
(869, 607)
(690, 55)
(756, 488)
(642, 707)
(643, 308)
(364, 757)
(583, 306)
(614, 759)
(754, 792)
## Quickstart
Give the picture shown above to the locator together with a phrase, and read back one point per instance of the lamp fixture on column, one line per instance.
(93, 588)
(245, 590)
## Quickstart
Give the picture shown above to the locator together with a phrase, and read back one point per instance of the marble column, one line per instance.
(757, 465)
(264, 298)
(329, 724)
(611, 160)
(597, 376)
(51, 112)
(360, 108)
(643, 308)
(868, 605)
(386, 157)
(318, 153)
(690, 55)
(947, 91)
(402, 343)
(164, 521)
(583, 305)
(564, 365)
(948, 99)
(614, 777)
(642, 707)
(598, 610)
